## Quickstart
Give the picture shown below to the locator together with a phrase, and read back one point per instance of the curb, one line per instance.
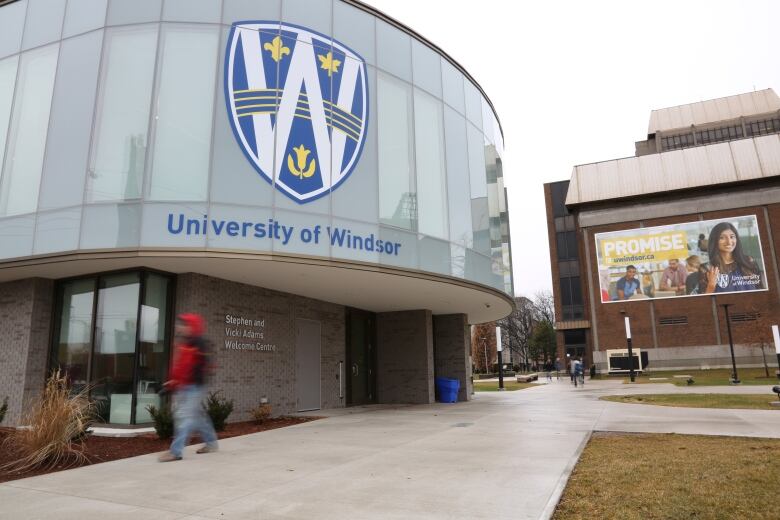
(555, 497)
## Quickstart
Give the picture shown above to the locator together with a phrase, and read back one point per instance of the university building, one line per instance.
(320, 182)
(669, 236)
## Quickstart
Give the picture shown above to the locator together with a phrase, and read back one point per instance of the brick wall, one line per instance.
(405, 357)
(25, 322)
(451, 349)
(703, 341)
(246, 376)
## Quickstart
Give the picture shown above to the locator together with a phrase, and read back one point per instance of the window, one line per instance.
(738, 317)
(431, 180)
(122, 122)
(183, 117)
(764, 127)
(111, 331)
(27, 134)
(397, 199)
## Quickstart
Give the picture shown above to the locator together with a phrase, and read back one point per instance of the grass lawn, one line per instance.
(747, 401)
(492, 386)
(714, 377)
(666, 476)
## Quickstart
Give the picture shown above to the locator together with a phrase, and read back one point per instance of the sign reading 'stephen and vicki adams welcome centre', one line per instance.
(687, 259)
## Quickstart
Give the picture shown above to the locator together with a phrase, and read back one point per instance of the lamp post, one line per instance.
(734, 378)
(499, 355)
(776, 334)
(631, 373)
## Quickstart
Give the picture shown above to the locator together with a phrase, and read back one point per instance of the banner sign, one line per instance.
(687, 259)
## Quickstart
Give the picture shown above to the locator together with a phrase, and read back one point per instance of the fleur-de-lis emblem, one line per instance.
(328, 63)
(277, 48)
(298, 167)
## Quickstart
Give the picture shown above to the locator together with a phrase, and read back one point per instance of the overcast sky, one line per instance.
(573, 82)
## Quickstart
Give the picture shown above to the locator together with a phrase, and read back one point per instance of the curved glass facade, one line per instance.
(114, 133)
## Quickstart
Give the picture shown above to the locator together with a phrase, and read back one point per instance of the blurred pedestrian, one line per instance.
(187, 382)
(558, 368)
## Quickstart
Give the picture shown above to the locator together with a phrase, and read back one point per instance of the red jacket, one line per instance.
(190, 356)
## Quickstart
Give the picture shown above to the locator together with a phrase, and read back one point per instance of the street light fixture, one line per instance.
(631, 373)
(734, 378)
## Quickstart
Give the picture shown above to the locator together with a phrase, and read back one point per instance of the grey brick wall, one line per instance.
(405, 357)
(25, 321)
(245, 375)
(451, 348)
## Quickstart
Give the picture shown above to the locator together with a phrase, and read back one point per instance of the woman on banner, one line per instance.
(730, 269)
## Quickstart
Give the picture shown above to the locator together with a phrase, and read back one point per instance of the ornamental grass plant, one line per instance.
(55, 428)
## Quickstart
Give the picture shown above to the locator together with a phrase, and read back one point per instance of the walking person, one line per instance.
(548, 369)
(558, 368)
(187, 382)
(575, 370)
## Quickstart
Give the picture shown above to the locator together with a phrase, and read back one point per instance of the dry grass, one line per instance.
(665, 476)
(55, 425)
(737, 401)
(492, 386)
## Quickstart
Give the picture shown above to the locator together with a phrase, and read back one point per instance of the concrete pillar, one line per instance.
(25, 320)
(405, 357)
(451, 349)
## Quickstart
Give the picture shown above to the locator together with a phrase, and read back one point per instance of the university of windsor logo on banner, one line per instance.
(298, 105)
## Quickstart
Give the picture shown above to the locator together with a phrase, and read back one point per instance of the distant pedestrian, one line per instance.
(187, 379)
(548, 369)
(558, 368)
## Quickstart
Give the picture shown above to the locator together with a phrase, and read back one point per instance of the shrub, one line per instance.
(261, 413)
(56, 422)
(3, 409)
(218, 409)
(163, 420)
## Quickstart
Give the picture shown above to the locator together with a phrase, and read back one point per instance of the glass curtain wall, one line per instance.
(23, 161)
(112, 333)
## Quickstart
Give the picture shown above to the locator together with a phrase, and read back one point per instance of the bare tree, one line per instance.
(483, 346)
(544, 305)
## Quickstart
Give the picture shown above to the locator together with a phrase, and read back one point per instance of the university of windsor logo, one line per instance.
(298, 103)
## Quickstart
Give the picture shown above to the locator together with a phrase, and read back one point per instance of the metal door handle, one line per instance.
(355, 369)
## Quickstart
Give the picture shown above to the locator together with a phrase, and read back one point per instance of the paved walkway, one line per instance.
(501, 456)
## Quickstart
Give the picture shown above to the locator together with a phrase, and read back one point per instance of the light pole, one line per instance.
(631, 374)
(776, 334)
(734, 378)
(499, 355)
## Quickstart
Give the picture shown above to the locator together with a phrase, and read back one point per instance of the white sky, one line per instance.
(573, 82)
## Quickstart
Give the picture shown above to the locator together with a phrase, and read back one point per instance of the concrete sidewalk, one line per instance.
(503, 455)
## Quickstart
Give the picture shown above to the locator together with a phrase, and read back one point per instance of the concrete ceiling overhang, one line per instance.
(366, 286)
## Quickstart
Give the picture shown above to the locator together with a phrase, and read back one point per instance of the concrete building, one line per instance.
(707, 172)
(319, 181)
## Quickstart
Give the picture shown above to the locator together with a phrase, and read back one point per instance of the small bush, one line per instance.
(163, 420)
(3, 409)
(218, 409)
(56, 422)
(261, 413)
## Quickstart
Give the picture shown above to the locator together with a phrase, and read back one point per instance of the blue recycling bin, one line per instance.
(447, 389)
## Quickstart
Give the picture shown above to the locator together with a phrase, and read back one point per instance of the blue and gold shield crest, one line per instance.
(298, 105)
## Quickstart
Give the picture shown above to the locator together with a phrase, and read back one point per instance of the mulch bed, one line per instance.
(104, 449)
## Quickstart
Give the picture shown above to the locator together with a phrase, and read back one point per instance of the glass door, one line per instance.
(112, 332)
(361, 357)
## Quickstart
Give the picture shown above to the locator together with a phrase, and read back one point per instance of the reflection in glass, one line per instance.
(114, 353)
(27, 135)
(397, 199)
(431, 179)
(184, 111)
(73, 342)
(7, 81)
(152, 345)
(458, 192)
(122, 121)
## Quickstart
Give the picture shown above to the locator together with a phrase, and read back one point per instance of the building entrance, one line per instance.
(361, 357)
